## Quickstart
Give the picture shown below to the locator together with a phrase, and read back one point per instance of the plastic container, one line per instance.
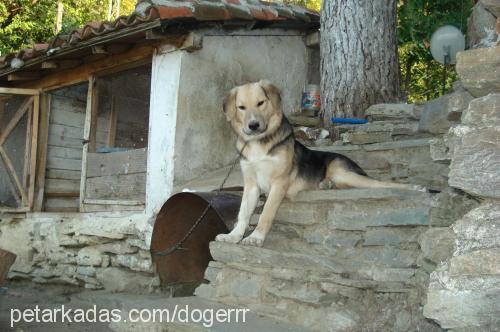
(349, 120)
(311, 98)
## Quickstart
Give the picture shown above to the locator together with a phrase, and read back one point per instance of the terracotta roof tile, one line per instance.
(175, 10)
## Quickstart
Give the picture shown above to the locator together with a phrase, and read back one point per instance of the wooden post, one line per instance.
(113, 118)
(87, 129)
(6, 260)
(34, 142)
(43, 136)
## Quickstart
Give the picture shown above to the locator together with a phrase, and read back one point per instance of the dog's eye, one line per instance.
(260, 103)
(241, 108)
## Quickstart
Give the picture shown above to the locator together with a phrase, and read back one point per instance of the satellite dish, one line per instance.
(446, 42)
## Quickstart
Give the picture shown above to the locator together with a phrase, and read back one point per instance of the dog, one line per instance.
(274, 163)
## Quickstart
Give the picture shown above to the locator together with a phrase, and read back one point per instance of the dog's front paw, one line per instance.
(231, 238)
(254, 239)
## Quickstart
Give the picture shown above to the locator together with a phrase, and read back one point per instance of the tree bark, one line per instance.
(359, 58)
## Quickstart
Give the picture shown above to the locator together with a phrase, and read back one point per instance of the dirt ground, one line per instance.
(18, 298)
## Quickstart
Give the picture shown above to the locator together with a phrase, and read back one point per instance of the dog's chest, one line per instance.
(262, 167)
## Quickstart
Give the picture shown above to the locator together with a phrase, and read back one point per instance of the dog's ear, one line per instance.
(229, 104)
(272, 93)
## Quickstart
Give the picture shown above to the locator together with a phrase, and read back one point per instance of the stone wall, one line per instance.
(464, 288)
(92, 250)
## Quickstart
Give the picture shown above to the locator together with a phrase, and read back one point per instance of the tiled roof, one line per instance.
(194, 12)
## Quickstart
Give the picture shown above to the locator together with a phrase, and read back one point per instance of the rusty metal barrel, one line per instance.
(177, 216)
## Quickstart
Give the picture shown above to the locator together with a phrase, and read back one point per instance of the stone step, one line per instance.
(355, 209)
(379, 131)
(366, 270)
(313, 291)
(406, 161)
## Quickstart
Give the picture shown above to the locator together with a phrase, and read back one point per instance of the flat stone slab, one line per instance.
(479, 70)
(357, 194)
(265, 258)
(393, 111)
(401, 144)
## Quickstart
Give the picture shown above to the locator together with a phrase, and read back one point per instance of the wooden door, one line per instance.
(19, 114)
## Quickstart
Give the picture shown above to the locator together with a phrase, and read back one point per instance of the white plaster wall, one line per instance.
(204, 140)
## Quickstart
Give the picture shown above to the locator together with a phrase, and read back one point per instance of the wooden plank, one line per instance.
(110, 208)
(15, 119)
(115, 163)
(27, 150)
(19, 91)
(61, 204)
(23, 76)
(63, 174)
(34, 141)
(113, 119)
(2, 111)
(65, 153)
(68, 142)
(134, 57)
(125, 186)
(63, 194)
(62, 163)
(60, 64)
(64, 131)
(112, 202)
(313, 39)
(62, 186)
(43, 135)
(12, 173)
(86, 136)
(94, 104)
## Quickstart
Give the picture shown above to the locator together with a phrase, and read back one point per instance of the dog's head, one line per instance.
(254, 109)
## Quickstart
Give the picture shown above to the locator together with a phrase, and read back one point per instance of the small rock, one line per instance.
(89, 256)
(120, 280)
(437, 244)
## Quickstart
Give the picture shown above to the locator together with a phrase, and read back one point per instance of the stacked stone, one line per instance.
(335, 260)
(464, 290)
(95, 250)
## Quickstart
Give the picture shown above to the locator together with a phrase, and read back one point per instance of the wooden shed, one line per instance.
(98, 128)
(76, 113)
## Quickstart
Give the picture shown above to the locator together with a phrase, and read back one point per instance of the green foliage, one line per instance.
(311, 4)
(417, 19)
(25, 22)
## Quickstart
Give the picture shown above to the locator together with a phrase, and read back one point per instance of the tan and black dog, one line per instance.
(273, 162)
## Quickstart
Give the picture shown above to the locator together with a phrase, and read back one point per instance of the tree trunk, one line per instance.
(359, 59)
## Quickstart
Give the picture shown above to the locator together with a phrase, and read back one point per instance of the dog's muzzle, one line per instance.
(254, 127)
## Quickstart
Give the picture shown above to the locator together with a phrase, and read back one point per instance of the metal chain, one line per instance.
(177, 246)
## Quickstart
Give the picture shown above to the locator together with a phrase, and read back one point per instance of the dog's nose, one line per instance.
(254, 125)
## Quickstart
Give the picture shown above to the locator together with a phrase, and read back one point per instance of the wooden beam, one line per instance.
(112, 202)
(94, 107)
(113, 119)
(2, 111)
(86, 139)
(23, 76)
(193, 42)
(43, 136)
(15, 119)
(117, 48)
(19, 91)
(12, 172)
(134, 57)
(60, 64)
(34, 141)
(100, 49)
(313, 39)
(27, 151)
